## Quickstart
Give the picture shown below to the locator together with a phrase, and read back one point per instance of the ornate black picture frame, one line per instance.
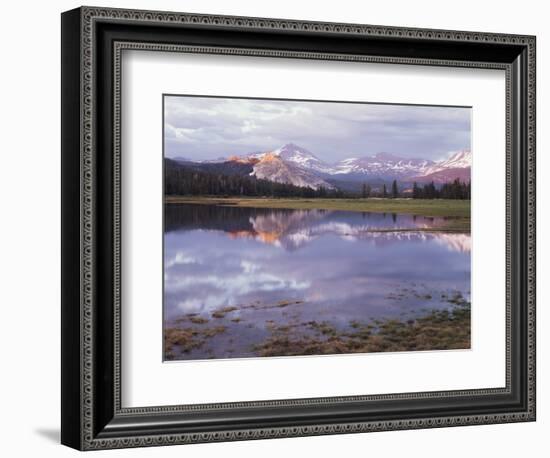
(92, 42)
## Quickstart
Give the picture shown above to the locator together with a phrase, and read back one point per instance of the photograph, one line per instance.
(280, 224)
(304, 227)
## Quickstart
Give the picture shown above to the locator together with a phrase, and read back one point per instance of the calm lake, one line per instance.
(235, 278)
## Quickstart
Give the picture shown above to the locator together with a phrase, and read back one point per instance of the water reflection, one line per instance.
(292, 229)
(246, 270)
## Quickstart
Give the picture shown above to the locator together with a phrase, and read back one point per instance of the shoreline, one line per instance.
(435, 329)
(458, 211)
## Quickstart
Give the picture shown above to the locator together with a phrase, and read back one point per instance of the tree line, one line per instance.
(367, 191)
(179, 180)
(188, 181)
(453, 190)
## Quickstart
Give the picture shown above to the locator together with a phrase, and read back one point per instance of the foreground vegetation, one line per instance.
(457, 210)
(434, 330)
(437, 330)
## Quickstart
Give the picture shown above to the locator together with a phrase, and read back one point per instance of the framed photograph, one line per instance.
(276, 228)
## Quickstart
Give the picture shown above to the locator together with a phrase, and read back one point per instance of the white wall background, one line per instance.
(30, 240)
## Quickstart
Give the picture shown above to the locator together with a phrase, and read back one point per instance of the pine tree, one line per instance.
(384, 191)
(433, 191)
(365, 191)
(394, 191)
(416, 191)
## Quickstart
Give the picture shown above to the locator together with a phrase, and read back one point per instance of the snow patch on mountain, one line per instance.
(382, 165)
(455, 160)
(272, 167)
(302, 157)
(457, 165)
(460, 159)
(296, 165)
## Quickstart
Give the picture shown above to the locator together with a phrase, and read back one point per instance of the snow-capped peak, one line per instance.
(272, 166)
(294, 164)
(292, 152)
(382, 165)
(456, 165)
(458, 159)
(302, 157)
(290, 148)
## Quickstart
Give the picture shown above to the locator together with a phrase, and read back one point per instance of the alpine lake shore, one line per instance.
(456, 212)
(432, 330)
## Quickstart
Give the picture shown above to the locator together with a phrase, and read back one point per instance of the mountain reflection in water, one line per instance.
(234, 273)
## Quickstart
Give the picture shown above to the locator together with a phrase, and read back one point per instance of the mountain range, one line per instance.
(292, 164)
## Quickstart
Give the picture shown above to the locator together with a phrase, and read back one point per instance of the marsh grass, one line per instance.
(198, 320)
(186, 339)
(433, 329)
(220, 313)
(437, 330)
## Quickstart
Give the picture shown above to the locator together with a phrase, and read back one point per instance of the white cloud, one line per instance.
(179, 259)
(207, 127)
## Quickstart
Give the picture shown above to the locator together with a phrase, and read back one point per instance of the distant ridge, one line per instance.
(293, 164)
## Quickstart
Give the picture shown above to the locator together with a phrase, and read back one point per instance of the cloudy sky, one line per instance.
(202, 128)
